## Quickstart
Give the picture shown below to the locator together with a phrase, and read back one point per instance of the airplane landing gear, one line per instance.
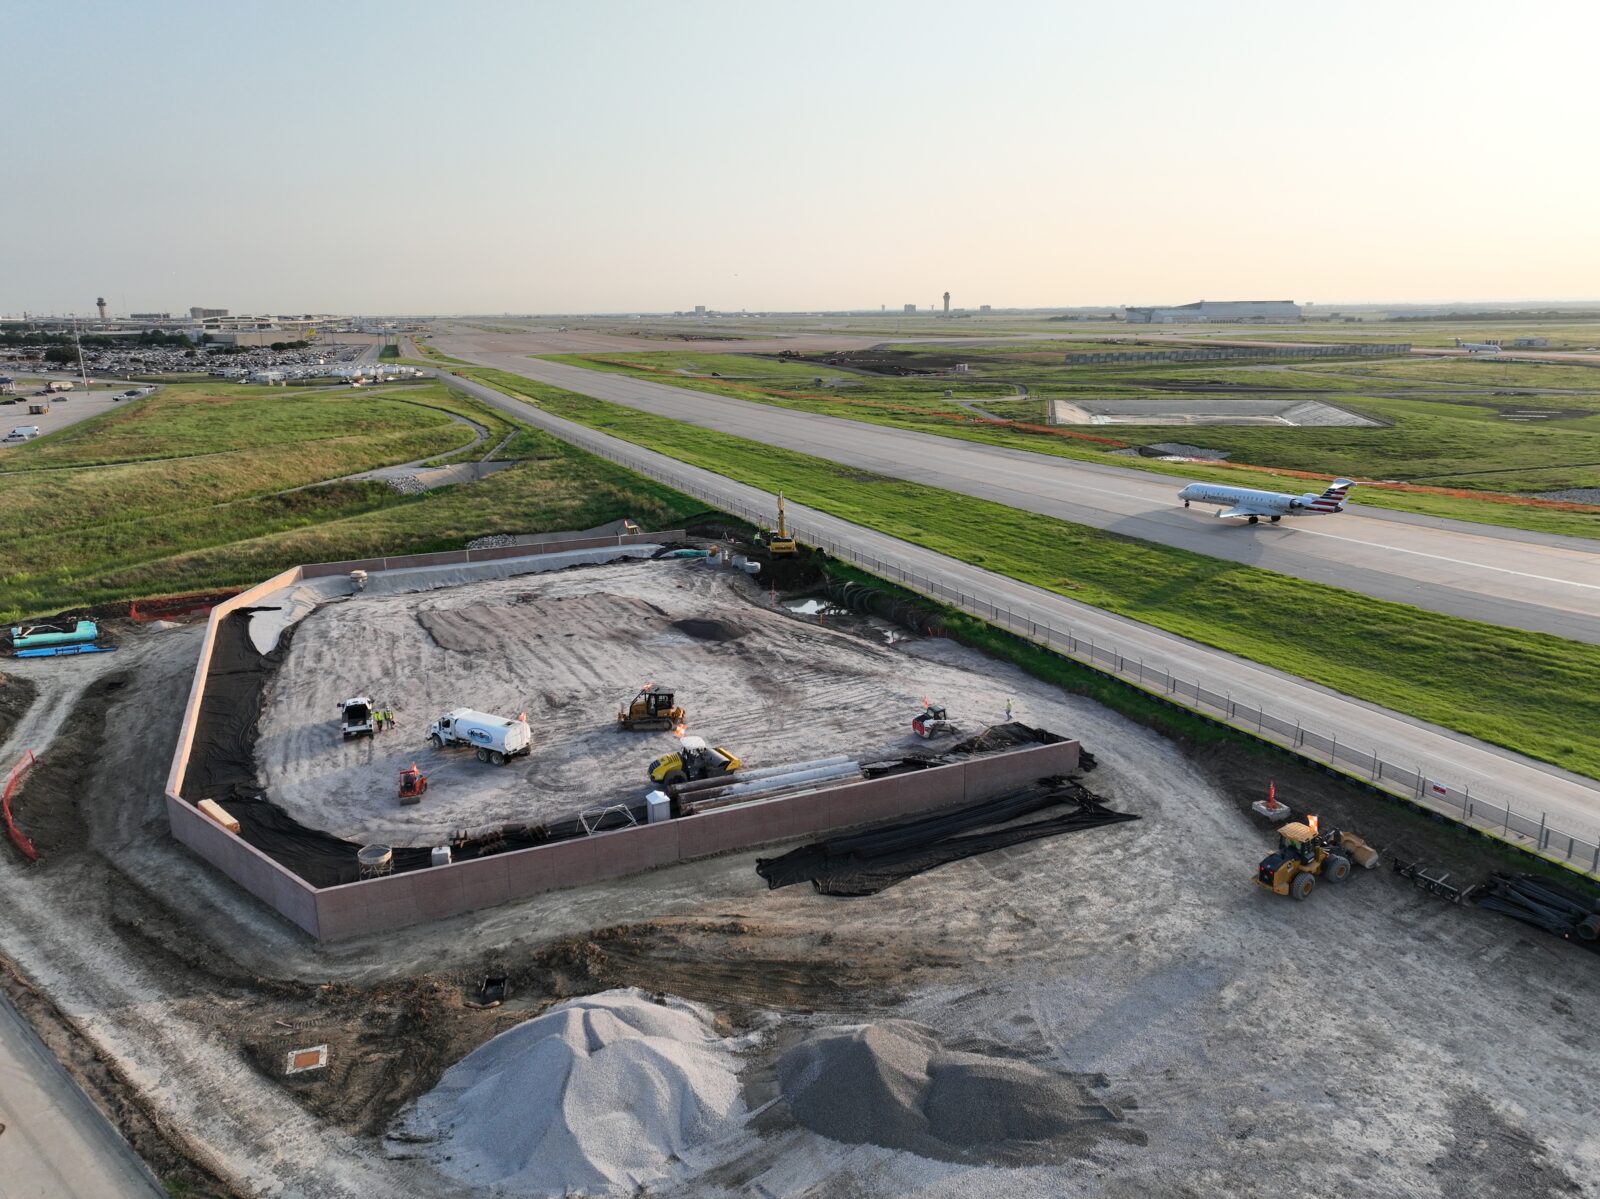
(1255, 520)
(1185, 503)
(1276, 519)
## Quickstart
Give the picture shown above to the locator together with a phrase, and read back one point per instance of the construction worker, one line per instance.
(388, 719)
(1009, 709)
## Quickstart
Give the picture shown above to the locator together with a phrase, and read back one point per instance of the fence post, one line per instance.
(1506, 828)
(1376, 770)
(1541, 829)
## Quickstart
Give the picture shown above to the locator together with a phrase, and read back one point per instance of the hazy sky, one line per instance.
(606, 156)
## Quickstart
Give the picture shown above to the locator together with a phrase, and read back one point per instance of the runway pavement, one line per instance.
(54, 1143)
(1491, 773)
(1501, 576)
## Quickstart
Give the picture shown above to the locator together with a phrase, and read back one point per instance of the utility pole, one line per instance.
(77, 344)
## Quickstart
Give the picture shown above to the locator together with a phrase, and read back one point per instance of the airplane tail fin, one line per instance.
(1332, 499)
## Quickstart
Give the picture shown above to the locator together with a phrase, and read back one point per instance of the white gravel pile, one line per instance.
(492, 542)
(406, 484)
(596, 1096)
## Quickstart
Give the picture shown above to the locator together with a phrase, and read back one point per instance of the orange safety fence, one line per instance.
(20, 838)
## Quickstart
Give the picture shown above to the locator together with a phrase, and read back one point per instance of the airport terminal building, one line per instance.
(1229, 311)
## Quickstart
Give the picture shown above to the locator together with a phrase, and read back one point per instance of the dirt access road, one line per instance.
(1372, 1038)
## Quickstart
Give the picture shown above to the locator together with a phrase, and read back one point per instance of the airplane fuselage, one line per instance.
(1252, 504)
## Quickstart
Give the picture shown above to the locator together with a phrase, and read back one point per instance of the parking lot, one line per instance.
(66, 408)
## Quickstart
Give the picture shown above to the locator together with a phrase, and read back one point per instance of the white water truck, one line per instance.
(495, 738)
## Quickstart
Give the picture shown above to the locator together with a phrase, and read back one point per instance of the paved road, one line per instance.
(56, 1144)
(1494, 774)
(1502, 576)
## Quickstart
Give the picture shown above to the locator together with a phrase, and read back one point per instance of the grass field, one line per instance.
(1527, 691)
(203, 486)
(1435, 437)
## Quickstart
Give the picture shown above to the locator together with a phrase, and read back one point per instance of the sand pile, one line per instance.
(893, 1084)
(597, 1095)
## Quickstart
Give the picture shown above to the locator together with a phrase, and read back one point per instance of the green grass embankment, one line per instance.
(216, 487)
(1527, 691)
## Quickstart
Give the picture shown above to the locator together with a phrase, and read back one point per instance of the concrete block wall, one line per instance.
(384, 904)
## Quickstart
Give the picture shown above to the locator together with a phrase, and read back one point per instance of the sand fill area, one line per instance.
(569, 649)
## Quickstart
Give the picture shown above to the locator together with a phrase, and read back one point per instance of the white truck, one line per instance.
(355, 717)
(494, 737)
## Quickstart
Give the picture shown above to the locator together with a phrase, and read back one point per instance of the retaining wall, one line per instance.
(398, 900)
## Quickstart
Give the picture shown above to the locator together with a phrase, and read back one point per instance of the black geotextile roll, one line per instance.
(867, 862)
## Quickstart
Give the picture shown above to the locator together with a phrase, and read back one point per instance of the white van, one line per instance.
(22, 433)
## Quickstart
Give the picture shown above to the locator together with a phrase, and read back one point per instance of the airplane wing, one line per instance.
(1242, 511)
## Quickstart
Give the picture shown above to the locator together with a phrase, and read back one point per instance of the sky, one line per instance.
(609, 156)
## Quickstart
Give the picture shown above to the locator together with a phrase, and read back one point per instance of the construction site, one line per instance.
(486, 874)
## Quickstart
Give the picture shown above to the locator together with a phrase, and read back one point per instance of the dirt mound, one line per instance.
(1005, 736)
(47, 802)
(16, 696)
(893, 1084)
(710, 630)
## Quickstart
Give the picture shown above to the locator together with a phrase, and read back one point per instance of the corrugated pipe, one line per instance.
(761, 772)
(751, 786)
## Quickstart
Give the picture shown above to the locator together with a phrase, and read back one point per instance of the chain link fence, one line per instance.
(1413, 781)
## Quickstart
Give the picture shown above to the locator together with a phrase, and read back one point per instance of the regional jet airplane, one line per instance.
(1252, 505)
(1478, 347)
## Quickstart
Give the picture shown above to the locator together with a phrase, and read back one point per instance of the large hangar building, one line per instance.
(1224, 311)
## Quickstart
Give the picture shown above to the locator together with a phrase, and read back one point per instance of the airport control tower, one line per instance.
(101, 305)
(947, 303)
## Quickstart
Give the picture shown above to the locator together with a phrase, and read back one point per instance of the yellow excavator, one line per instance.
(781, 542)
(652, 708)
(1305, 855)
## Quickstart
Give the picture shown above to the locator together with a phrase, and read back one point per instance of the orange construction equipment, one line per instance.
(412, 784)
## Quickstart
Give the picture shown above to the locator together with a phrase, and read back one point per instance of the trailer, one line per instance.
(495, 738)
(62, 651)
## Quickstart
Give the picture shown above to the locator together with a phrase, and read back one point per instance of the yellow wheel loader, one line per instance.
(1305, 855)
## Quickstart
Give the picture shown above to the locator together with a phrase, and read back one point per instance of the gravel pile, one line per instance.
(492, 542)
(893, 1084)
(1574, 495)
(405, 484)
(599, 1095)
(1182, 449)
